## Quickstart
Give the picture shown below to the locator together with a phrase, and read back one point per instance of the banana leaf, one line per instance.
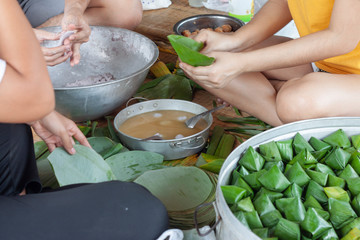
(252, 160)
(314, 225)
(314, 189)
(355, 203)
(347, 228)
(270, 219)
(319, 177)
(234, 177)
(337, 158)
(273, 196)
(296, 174)
(112, 151)
(274, 180)
(243, 172)
(287, 168)
(318, 144)
(252, 179)
(285, 149)
(242, 183)
(279, 164)
(253, 219)
(354, 185)
(213, 166)
(270, 151)
(287, 230)
(171, 87)
(320, 155)
(241, 217)
(295, 211)
(334, 181)
(101, 144)
(348, 173)
(337, 193)
(305, 158)
(311, 202)
(232, 194)
(324, 169)
(86, 166)
(293, 190)
(261, 232)
(282, 203)
(338, 139)
(129, 165)
(244, 205)
(355, 161)
(300, 143)
(46, 172)
(324, 214)
(263, 205)
(355, 139)
(341, 213)
(40, 148)
(329, 235)
(354, 234)
(188, 51)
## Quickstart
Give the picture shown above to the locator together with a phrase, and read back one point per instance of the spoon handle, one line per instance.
(191, 122)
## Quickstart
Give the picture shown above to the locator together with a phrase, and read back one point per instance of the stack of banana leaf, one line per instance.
(297, 189)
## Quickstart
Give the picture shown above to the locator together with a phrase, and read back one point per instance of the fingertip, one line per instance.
(72, 151)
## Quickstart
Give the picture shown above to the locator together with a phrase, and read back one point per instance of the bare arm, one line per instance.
(26, 92)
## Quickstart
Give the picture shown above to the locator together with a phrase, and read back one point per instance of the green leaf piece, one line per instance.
(252, 179)
(232, 194)
(213, 166)
(329, 235)
(274, 180)
(261, 232)
(317, 191)
(348, 173)
(287, 230)
(279, 164)
(40, 148)
(273, 196)
(341, 213)
(324, 169)
(338, 159)
(253, 219)
(296, 174)
(243, 172)
(242, 183)
(295, 211)
(300, 143)
(112, 151)
(270, 219)
(337, 193)
(318, 144)
(347, 228)
(46, 172)
(270, 151)
(285, 149)
(334, 181)
(354, 234)
(314, 224)
(293, 190)
(188, 51)
(245, 205)
(355, 203)
(129, 165)
(86, 166)
(263, 205)
(252, 160)
(311, 202)
(338, 139)
(355, 139)
(282, 203)
(324, 214)
(241, 217)
(305, 158)
(101, 144)
(355, 161)
(354, 185)
(319, 177)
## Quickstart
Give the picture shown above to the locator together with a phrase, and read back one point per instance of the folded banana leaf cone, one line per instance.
(183, 190)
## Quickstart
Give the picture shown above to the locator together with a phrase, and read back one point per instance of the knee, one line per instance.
(126, 14)
(296, 101)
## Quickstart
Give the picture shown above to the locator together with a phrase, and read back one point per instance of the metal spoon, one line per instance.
(191, 122)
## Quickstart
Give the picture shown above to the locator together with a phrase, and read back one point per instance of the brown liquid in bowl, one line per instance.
(169, 124)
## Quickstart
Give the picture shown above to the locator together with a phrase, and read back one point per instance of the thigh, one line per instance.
(109, 210)
(39, 11)
(17, 160)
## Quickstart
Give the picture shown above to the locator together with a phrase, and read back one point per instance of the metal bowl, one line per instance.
(206, 21)
(170, 149)
(125, 54)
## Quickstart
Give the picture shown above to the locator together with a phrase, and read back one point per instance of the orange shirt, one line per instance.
(314, 15)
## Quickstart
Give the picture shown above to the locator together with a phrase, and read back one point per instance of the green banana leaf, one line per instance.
(244, 205)
(338, 139)
(334, 181)
(293, 190)
(46, 172)
(318, 144)
(241, 217)
(213, 166)
(86, 166)
(354, 185)
(270, 219)
(101, 144)
(324, 214)
(243, 172)
(337, 193)
(314, 225)
(348, 173)
(355, 139)
(279, 164)
(300, 143)
(319, 177)
(40, 148)
(341, 213)
(311, 202)
(285, 149)
(337, 158)
(188, 51)
(242, 183)
(270, 151)
(261, 232)
(253, 219)
(252, 160)
(232, 194)
(295, 211)
(273, 196)
(296, 174)
(314, 189)
(282, 203)
(355, 203)
(355, 161)
(354, 234)
(263, 205)
(305, 158)
(347, 228)
(324, 169)
(287, 230)
(329, 235)
(129, 165)
(274, 180)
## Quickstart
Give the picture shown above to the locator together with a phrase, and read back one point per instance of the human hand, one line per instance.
(217, 75)
(74, 20)
(57, 130)
(53, 55)
(215, 41)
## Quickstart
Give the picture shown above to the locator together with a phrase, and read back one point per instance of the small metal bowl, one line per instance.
(206, 21)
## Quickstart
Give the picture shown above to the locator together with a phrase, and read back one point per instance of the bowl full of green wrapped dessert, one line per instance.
(297, 181)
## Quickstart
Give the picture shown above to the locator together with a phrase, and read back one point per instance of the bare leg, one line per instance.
(115, 13)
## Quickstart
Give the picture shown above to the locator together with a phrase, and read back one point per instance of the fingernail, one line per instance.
(72, 151)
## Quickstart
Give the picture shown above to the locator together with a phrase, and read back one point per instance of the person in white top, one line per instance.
(109, 210)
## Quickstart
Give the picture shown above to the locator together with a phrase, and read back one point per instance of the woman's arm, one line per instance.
(26, 92)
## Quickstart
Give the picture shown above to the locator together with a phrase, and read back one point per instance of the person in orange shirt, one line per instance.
(77, 15)
(281, 80)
